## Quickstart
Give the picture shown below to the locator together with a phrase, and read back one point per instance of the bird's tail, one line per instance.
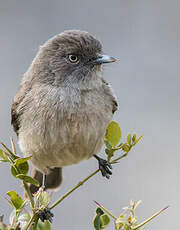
(52, 180)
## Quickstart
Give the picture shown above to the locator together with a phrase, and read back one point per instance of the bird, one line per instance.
(63, 106)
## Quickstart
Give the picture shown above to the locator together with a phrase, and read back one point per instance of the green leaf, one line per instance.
(104, 220)
(14, 171)
(23, 168)
(110, 153)
(97, 222)
(3, 161)
(134, 138)
(16, 200)
(3, 156)
(14, 156)
(129, 139)
(43, 225)
(99, 211)
(22, 165)
(28, 179)
(22, 160)
(113, 133)
(44, 199)
(20, 169)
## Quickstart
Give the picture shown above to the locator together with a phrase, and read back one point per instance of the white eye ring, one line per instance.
(73, 58)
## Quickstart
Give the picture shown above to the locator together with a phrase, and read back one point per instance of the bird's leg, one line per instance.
(46, 214)
(104, 166)
(43, 181)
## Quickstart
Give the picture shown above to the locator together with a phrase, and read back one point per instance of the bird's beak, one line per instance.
(102, 59)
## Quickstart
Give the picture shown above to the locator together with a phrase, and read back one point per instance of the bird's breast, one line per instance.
(60, 132)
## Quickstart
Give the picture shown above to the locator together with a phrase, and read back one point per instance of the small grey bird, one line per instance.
(63, 106)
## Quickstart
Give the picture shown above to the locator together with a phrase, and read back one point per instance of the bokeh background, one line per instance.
(145, 37)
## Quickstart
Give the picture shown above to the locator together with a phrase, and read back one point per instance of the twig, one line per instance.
(115, 225)
(36, 218)
(149, 219)
(26, 187)
(74, 188)
(115, 161)
(82, 182)
(107, 211)
(13, 145)
(10, 153)
(30, 222)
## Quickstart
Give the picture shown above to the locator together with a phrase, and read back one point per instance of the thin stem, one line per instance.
(36, 218)
(9, 151)
(73, 189)
(115, 225)
(30, 222)
(13, 145)
(119, 158)
(26, 187)
(107, 211)
(82, 182)
(149, 219)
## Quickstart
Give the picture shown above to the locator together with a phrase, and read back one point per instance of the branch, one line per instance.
(83, 181)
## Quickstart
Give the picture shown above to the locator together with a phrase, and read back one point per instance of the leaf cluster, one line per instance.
(126, 220)
(113, 141)
(20, 218)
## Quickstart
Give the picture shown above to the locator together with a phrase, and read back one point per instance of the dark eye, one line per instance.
(73, 58)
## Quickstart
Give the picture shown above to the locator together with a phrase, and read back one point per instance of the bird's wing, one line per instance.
(15, 111)
(109, 91)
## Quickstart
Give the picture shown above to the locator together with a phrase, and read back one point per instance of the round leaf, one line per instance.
(113, 133)
(104, 220)
(23, 167)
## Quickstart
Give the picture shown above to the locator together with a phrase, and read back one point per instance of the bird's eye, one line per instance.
(73, 58)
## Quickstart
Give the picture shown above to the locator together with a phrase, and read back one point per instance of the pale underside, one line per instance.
(67, 132)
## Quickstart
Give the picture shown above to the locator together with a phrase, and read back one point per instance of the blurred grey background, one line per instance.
(145, 37)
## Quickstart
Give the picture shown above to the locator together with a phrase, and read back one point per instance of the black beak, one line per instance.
(102, 59)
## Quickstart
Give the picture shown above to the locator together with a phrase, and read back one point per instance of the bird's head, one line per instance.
(71, 56)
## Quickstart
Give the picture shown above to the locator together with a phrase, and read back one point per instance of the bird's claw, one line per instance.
(105, 167)
(46, 214)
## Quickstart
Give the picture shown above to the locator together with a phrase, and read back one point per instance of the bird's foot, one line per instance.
(46, 214)
(104, 166)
